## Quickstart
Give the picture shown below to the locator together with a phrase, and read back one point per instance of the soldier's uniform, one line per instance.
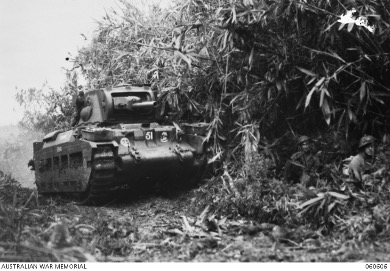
(80, 104)
(359, 163)
(302, 165)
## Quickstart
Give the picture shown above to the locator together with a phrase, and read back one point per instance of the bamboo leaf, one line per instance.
(350, 26)
(306, 71)
(320, 81)
(338, 195)
(338, 57)
(322, 96)
(234, 20)
(311, 201)
(328, 28)
(341, 26)
(327, 119)
(308, 98)
(326, 92)
(300, 102)
(303, 211)
(379, 100)
(311, 80)
(350, 114)
(330, 207)
(326, 111)
(279, 84)
(362, 90)
(251, 58)
(225, 38)
(341, 119)
(216, 157)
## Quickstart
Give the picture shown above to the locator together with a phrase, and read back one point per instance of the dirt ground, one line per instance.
(168, 229)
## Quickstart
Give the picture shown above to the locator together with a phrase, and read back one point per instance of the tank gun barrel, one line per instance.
(132, 103)
(144, 105)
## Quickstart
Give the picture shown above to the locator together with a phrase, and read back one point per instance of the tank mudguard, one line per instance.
(57, 138)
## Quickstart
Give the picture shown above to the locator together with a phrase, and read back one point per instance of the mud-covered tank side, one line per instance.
(62, 164)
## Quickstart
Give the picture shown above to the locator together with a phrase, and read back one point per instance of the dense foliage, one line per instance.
(250, 66)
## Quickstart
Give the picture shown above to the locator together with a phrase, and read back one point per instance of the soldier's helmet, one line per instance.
(366, 140)
(302, 139)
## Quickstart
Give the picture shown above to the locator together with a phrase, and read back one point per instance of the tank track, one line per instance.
(102, 177)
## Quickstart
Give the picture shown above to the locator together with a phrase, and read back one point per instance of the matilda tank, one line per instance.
(119, 143)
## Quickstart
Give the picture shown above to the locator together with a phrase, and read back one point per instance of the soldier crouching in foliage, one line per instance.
(303, 165)
(363, 164)
(80, 104)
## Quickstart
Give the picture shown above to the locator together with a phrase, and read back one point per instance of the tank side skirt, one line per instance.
(68, 169)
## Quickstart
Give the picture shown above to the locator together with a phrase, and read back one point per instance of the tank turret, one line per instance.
(124, 104)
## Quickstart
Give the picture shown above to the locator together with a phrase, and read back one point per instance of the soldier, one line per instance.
(360, 163)
(302, 164)
(80, 104)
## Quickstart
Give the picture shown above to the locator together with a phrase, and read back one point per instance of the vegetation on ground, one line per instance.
(174, 228)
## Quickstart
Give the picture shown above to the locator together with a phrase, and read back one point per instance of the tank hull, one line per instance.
(105, 159)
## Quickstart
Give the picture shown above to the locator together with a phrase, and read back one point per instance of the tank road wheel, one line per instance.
(102, 177)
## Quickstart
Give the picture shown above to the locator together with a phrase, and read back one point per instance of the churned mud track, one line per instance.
(162, 229)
